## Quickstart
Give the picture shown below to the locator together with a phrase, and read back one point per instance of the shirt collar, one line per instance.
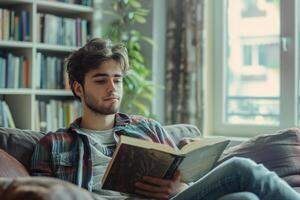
(121, 119)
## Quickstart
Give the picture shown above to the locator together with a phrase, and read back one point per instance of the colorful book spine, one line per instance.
(69, 31)
(14, 25)
(55, 114)
(14, 71)
(50, 72)
(6, 118)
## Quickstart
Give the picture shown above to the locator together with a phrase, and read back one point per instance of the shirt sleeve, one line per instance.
(162, 134)
(41, 158)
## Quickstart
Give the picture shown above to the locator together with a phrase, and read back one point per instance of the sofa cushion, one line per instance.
(10, 167)
(279, 152)
(42, 188)
(181, 131)
(293, 180)
(19, 143)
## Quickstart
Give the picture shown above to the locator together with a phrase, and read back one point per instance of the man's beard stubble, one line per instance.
(103, 110)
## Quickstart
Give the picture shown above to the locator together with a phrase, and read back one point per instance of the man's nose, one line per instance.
(111, 85)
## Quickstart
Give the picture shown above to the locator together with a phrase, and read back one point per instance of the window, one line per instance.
(257, 92)
(266, 55)
(247, 55)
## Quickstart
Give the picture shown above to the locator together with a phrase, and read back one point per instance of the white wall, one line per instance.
(158, 57)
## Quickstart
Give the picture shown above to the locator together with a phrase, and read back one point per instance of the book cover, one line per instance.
(21, 73)
(10, 71)
(10, 120)
(26, 74)
(5, 27)
(16, 64)
(78, 32)
(42, 116)
(127, 165)
(42, 28)
(38, 70)
(12, 25)
(23, 25)
(2, 72)
(1, 23)
(17, 27)
(5, 115)
(135, 158)
(27, 36)
(1, 115)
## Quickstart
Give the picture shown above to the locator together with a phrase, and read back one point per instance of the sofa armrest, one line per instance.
(43, 188)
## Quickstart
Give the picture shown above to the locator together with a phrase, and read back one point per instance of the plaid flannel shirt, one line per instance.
(66, 154)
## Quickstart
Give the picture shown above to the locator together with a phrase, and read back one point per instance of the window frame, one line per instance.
(288, 73)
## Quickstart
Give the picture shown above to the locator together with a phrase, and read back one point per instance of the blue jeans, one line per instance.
(239, 175)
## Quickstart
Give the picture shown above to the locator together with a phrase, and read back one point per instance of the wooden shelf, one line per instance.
(63, 7)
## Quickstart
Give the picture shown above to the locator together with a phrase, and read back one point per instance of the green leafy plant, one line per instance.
(138, 89)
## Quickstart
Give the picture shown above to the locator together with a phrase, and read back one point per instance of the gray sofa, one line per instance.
(279, 152)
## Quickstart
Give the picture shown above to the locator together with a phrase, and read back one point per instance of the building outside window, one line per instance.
(257, 68)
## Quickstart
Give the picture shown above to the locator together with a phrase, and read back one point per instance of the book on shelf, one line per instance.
(79, 2)
(15, 25)
(2, 72)
(137, 158)
(55, 114)
(6, 118)
(68, 31)
(15, 71)
(50, 72)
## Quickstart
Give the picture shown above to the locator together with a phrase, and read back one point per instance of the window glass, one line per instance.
(253, 62)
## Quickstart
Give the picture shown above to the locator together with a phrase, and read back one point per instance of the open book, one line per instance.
(135, 158)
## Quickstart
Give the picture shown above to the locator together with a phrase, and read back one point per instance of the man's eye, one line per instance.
(118, 81)
(100, 81)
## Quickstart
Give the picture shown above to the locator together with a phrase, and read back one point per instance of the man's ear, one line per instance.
(78, 89)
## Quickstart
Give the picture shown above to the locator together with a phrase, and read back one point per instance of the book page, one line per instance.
(200, 143)
(148, 144)
(199, 162)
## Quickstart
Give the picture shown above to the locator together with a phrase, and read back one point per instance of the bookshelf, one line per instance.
(29, 36)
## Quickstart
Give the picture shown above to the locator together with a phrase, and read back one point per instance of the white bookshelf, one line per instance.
(16, 44)
(55, 48)
(15, 91)
(49, 92)
(22, 101)
(61, 7)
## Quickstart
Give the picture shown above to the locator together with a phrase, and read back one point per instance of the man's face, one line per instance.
(103, 88)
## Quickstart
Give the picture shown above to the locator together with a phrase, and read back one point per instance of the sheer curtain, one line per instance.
(184, 67)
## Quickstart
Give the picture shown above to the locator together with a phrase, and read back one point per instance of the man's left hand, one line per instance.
(160, 188)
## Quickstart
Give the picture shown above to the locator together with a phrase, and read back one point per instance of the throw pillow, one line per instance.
(10, 167)
(19, 143)
(279, 152)
(43, 188)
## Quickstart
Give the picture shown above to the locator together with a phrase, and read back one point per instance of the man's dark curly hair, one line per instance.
(91, 56)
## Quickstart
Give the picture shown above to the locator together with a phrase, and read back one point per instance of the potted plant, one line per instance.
(138, 88)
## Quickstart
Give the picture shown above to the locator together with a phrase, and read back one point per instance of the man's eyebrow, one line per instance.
(107, 75)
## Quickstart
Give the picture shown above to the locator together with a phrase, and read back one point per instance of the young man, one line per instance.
(81, 152)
